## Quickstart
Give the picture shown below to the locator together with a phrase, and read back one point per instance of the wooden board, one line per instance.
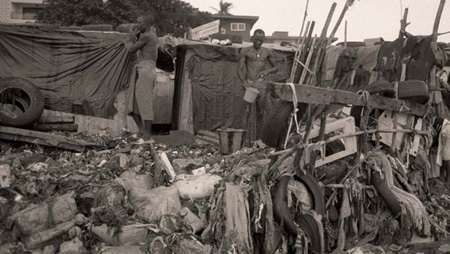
(318, 95)
(56, 127)
(46, 139)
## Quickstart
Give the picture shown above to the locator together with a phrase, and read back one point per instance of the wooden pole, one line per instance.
(304, 18)
(321, 42)
(437, 20)
(448, 32)
(308, 60)
(298, 54)
(345, 34)
(403, 23)
(338, 23)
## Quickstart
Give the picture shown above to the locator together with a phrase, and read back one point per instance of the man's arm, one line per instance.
(141, 43)
(271, 60)
(242, 58)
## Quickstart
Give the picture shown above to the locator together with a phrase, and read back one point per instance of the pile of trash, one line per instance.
(139, 197)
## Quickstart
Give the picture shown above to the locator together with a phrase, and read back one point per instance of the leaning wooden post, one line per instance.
(345, 35)
(338, 23)
(321, 42)
(403, 23)
(304, 17)
(437, 20)
(298, 54)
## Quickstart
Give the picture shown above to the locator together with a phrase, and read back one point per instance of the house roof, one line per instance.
(255, 18)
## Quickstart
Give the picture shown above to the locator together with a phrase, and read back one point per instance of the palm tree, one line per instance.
(224, 8)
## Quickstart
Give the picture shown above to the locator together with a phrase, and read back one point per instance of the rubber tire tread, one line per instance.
(312, 185)
(35, 108)
(413, 89)
(276, 124)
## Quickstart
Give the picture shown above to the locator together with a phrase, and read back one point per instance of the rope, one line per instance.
(293, 114)
(363, 96)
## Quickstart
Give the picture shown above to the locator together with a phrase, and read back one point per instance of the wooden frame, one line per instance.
(346, 125)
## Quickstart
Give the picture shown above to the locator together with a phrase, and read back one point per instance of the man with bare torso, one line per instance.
(141, 91)
(253, 65)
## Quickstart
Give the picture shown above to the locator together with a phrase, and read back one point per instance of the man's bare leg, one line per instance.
(148, 129)
(445, 171)
(137, 119)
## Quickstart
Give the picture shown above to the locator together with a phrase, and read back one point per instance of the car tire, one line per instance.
(414, 90)
(29, 99)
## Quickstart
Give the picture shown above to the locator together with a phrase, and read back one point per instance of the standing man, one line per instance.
(253, 60)
(253, 65)
(140, 93)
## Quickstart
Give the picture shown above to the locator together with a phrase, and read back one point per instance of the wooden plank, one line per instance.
(47, 139)
(44, 142)
(56, 127)
(57, 119)
(319, 95)
(50, 116)
(185, 118)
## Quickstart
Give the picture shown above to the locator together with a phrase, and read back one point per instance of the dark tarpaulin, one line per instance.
(76, 72)
(217, 91)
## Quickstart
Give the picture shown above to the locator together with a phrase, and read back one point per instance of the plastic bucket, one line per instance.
(230, 140)
(250, 94)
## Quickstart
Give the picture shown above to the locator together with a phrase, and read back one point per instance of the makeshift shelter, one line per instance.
(83, 73)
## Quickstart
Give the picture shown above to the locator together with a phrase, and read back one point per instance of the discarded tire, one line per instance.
(276, 124)
(22, 102)
(309, 221)
(415, 90)
(316, 192)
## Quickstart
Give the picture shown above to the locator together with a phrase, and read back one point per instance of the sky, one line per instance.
(365, 18)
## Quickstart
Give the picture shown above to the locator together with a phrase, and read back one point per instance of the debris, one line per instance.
(36, 218)
(5, 176)
(192, 219)
(124, 249)
(131, 180)
(72, 247)
(42, 237)
(127, 235)
(150, 205)
(167, 166)
(196, 187)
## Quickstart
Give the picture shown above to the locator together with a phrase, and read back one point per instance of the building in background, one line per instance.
(279, 37)
(19, 11)
(235, 27)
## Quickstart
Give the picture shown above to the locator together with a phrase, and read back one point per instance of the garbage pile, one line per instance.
(139, 197)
